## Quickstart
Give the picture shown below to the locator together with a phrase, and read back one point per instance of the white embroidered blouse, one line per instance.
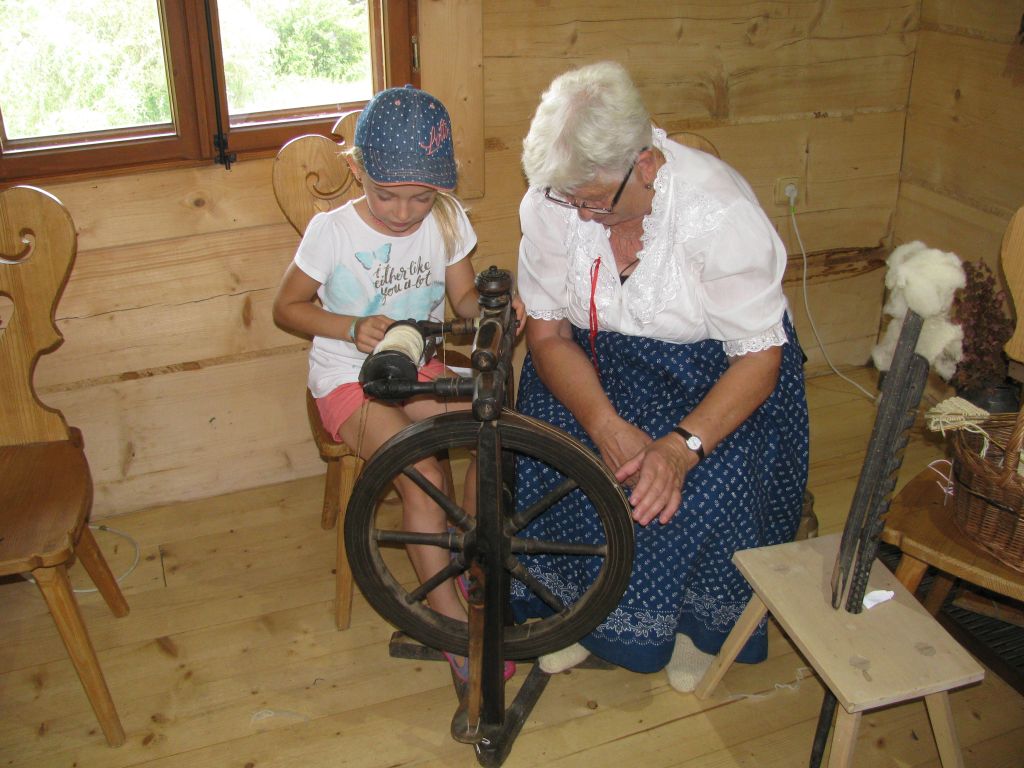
(711, 263)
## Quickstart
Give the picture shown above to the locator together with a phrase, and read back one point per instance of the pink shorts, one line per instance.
(337, 406)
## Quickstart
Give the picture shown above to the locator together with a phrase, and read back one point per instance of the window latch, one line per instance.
(223, 157)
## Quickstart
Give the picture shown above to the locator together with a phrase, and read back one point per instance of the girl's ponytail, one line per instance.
(446, 213)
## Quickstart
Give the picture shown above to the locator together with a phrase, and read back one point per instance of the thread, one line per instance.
(955, 413)
(402, 338)
(802, 673)
(266, 714)
(947, 479)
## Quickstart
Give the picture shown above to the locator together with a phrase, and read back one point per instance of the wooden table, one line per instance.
(920, 523)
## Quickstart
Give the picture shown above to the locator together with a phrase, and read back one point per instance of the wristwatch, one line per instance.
(692, 442)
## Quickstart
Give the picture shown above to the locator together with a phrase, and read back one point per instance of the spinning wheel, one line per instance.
(484, 546)
(366, 534)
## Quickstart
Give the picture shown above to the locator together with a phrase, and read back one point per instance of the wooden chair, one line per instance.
(920, 523)
(45, 483)
(921, 526)
(867, 659)
(309, 177)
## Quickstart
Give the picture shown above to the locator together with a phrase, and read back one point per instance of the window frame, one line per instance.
(194, 107)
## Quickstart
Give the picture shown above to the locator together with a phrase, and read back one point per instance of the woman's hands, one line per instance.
(618, 441)
(659, 471)
(654, 469)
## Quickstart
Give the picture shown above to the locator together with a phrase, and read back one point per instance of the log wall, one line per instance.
(963, 158)
(184, 388)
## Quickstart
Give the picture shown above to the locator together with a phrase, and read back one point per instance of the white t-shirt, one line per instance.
(711, 264)
(364, 272)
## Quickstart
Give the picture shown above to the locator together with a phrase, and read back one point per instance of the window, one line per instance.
(106, 85)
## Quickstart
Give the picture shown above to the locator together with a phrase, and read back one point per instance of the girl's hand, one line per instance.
(369, 331)
(661, 469)
(520, 309)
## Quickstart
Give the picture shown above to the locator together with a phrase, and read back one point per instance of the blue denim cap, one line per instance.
(405, 136)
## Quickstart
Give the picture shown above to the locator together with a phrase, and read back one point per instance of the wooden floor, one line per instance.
(229, 658)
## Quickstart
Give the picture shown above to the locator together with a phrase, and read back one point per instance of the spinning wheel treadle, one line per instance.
(367, 533)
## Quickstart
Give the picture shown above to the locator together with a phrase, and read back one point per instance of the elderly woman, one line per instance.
(660, 337)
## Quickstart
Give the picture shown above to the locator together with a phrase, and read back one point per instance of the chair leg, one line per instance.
(910, 571)
(844, 738)
(342, 584)
(332, 494)
(942, 583)
(745, 626)
(941, 716)
(95, 565)
(341, 478)
(56, 589)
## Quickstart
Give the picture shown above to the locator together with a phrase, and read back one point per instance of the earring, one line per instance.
(648, 186)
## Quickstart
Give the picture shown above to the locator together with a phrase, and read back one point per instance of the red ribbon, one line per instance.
(595, 269)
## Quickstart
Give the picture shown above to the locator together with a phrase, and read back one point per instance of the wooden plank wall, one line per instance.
(813, 90)
(184, 388)
(172, 366)
(963, 160)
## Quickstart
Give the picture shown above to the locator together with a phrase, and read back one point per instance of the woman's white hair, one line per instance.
(590, 125)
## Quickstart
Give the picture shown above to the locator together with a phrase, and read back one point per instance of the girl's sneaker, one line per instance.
(462, 582)
(460, 667)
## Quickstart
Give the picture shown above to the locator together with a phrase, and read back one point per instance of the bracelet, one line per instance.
(352, 330)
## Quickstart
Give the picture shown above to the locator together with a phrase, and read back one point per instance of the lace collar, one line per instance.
(679, 213)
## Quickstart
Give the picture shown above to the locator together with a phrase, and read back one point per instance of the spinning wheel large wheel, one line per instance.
(368, 532)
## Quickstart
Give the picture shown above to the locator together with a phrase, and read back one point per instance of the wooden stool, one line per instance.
(922, 526)
(891, 653)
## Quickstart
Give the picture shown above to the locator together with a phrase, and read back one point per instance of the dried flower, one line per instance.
(979, 310)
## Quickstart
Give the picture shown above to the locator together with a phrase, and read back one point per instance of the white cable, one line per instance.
(135, 559)
(807, 306)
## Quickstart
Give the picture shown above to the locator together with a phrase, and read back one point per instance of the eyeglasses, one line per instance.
(594, 208)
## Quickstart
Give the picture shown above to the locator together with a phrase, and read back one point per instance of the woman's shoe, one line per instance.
(460, 667)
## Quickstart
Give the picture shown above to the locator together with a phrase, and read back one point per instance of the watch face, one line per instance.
(693, 443)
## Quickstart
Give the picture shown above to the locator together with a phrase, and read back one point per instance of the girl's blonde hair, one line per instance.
(446, 211)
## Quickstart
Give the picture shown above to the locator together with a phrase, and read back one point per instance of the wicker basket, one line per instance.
(989, 506)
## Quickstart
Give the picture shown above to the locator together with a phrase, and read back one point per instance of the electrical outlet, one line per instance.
(781, 183)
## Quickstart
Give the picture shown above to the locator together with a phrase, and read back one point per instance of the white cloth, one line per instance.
(364, 272)
(711, 264)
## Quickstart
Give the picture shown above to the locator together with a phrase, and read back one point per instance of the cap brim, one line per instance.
(387, 170)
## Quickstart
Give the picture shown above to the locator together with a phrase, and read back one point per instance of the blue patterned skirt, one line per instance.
(747, 493)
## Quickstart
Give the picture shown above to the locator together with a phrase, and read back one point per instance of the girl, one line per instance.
(392, 254)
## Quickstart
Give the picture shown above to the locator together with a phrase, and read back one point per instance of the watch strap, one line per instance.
(687, 438)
